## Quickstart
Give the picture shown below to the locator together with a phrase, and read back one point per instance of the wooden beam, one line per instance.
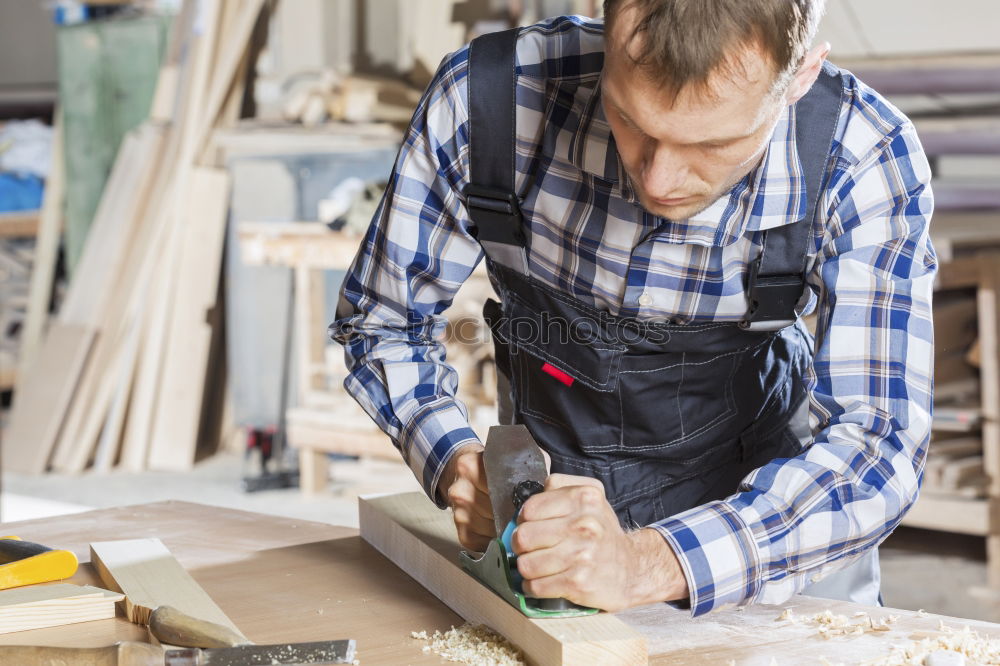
(149, 576)
(420, 539)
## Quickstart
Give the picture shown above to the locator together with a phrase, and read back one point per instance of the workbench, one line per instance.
(281, 579)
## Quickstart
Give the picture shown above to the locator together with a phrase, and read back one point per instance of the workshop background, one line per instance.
(183, 182)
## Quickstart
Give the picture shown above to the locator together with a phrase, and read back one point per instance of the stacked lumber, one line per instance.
(40, 606)
(955, 458)
(127, 371)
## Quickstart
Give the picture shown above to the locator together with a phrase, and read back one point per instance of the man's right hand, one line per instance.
(463, 485)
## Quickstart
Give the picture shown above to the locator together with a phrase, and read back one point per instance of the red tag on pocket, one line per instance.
(557, 373)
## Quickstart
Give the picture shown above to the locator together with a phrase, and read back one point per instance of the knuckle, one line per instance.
(588, 527)
(589, 496)
(520, 540)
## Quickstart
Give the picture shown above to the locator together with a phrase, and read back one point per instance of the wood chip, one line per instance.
(474, 645)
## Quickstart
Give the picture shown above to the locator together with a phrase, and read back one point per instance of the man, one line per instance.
(688, 177)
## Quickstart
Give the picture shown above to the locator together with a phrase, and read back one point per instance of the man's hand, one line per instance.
(463, 486)
(569, 544)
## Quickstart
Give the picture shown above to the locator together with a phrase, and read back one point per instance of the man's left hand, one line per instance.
(569, 544)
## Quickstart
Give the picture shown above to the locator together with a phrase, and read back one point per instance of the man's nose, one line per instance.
(664, 173)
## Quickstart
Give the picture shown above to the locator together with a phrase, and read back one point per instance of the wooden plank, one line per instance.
(417, 536)
(178, 415)
(43, 394)
(46, 250)
(41, 606)
(149, 576)
(97, 384)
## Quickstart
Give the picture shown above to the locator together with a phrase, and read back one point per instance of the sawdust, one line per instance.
(831, 625)
(474, 645)
(950, 646)
(947, 647)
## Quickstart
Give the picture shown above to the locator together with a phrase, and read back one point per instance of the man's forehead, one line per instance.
(729, 104)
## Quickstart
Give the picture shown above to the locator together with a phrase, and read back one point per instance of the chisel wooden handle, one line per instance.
(119, 654)
(173, 627)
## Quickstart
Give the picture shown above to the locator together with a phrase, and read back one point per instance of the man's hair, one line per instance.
(684, 41)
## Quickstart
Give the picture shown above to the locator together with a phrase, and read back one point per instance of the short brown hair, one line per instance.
(686, 40)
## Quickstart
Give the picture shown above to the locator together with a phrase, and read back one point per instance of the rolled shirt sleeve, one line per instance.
(413, 259)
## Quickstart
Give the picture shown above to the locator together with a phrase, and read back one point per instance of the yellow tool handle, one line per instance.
(27, 563)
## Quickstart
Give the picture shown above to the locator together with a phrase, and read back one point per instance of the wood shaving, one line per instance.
(950, 647)
(831, 625)
(474, 645)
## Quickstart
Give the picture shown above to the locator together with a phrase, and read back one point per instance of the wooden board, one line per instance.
(182, 387)
(149, 576)
(412, 532)
(40, 606)
(43, 394)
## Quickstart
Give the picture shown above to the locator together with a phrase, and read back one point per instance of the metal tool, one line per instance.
(319, 652)
(202, 642)
(27, 563)
(132, 653)
(515, 470)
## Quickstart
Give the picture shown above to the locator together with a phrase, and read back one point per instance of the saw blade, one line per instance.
(318, 652)
(511, 457)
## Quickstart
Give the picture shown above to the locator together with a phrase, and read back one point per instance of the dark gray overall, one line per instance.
(667, 417)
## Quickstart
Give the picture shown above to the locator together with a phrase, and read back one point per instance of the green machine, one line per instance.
(515, 470)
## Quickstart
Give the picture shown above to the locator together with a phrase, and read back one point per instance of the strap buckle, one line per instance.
(496, 214)
(772, 300)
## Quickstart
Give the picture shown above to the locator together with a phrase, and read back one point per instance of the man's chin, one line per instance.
(680, 211)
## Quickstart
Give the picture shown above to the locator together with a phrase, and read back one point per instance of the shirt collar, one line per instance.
(771, 195)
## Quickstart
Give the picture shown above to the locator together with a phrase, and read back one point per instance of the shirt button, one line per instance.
(645, 300)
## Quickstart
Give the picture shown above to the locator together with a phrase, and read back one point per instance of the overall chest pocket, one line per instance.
(565, 376)
(678, 405)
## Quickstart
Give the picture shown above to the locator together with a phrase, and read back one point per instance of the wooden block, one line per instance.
(43, 394)
(182, 389)
(40, 606)
(149, 576)
(417, 536)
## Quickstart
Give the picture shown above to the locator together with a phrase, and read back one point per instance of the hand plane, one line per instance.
(515, 470)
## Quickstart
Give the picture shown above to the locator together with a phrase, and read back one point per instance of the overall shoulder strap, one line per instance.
(777, 276)
(491, 200)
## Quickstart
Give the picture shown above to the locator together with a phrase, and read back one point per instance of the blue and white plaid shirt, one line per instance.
(792, 521)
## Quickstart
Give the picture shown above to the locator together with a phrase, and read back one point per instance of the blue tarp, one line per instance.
(20, 192)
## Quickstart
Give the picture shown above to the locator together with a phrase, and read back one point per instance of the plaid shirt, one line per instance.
(870, 276)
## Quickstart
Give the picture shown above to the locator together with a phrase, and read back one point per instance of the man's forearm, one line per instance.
(657, 575)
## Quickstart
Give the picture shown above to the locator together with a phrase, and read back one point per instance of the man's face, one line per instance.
(684, 151)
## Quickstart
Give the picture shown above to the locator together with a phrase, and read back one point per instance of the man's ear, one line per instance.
(807, 73)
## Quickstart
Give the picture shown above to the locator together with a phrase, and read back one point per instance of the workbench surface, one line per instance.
(281, 580)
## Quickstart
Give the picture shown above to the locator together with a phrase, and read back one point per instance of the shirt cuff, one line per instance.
(717, 554)
(432, 439)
